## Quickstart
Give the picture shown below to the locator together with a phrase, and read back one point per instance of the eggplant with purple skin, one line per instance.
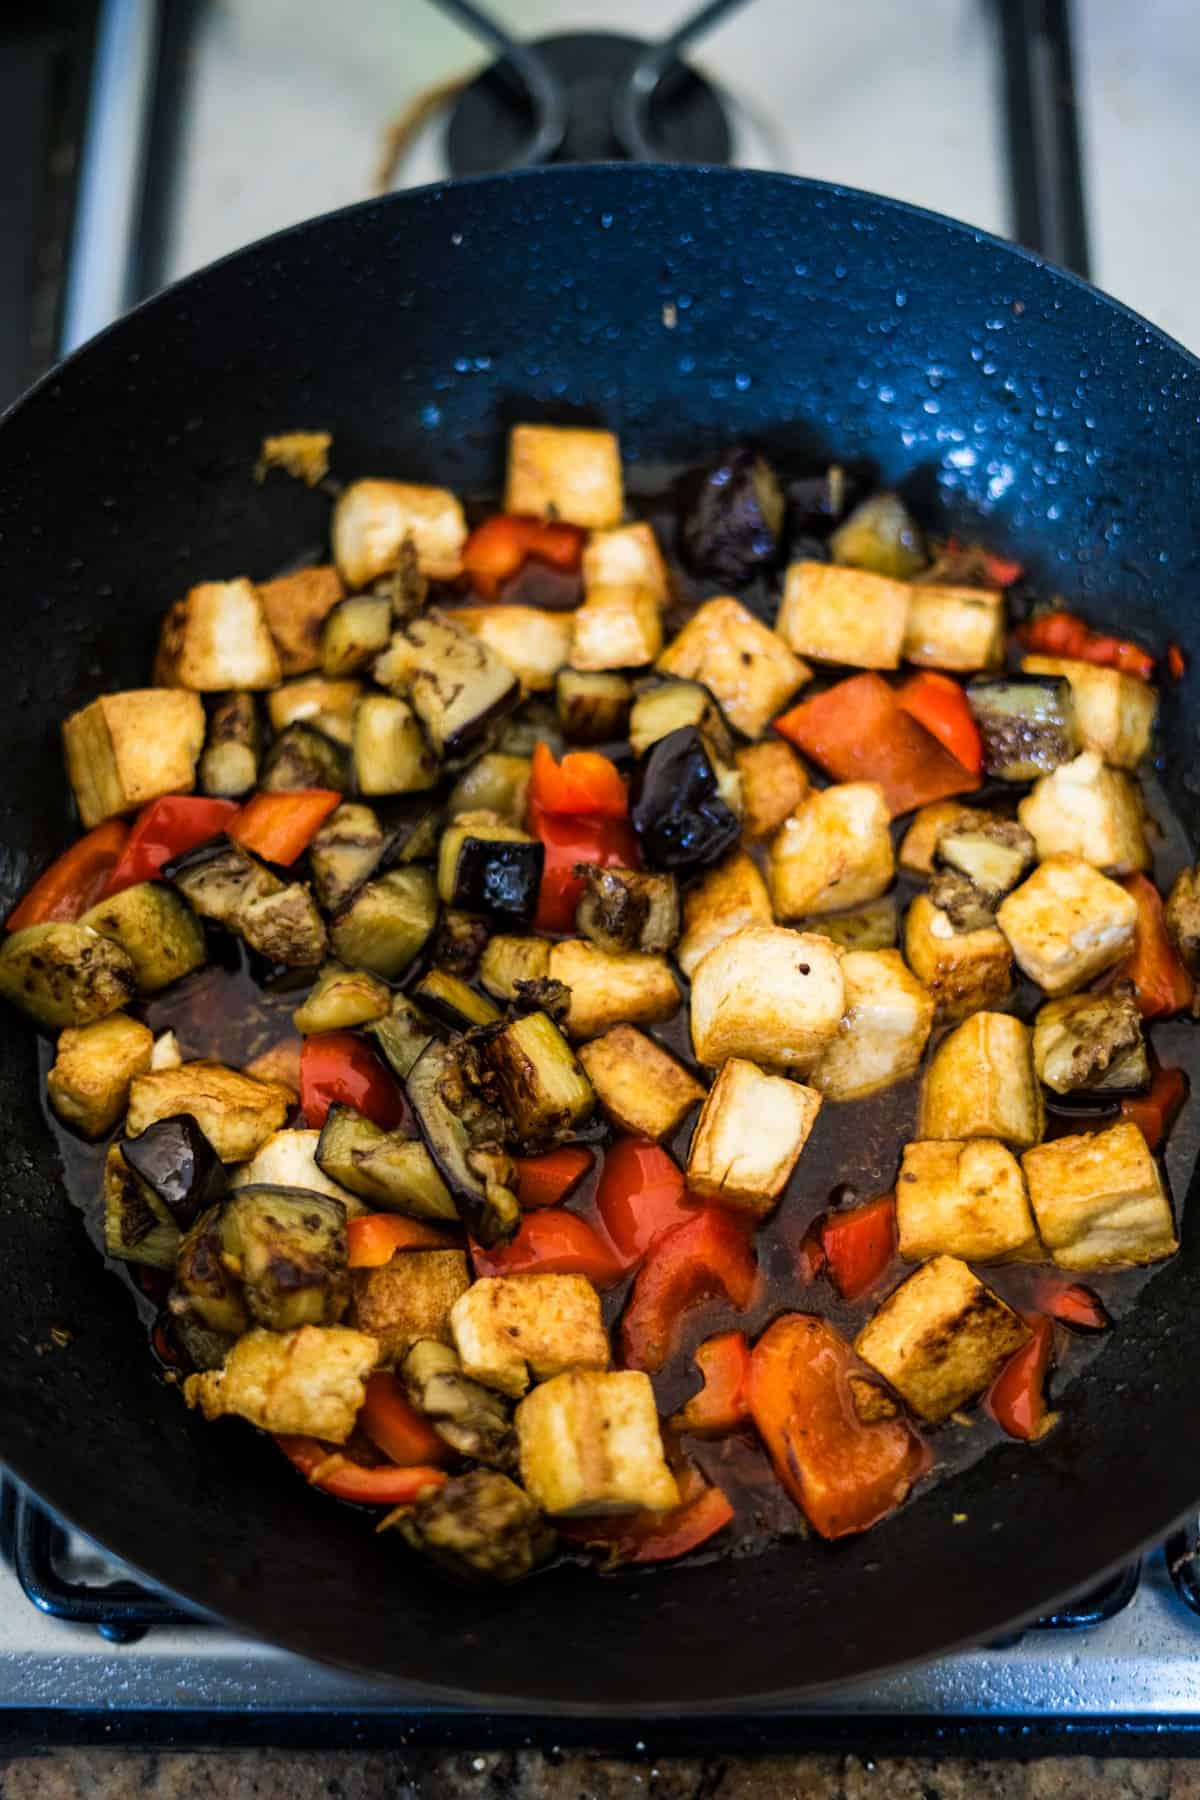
(176, 1161)
(465, 1133)
(733, 524)
(488, 866)
(817, 503)
(676, 806)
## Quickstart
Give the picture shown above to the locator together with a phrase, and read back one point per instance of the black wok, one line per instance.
(681, 306)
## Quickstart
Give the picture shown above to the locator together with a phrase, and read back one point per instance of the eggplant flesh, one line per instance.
(390, 1170)
(403, 1035)
(733, 524)
(450, 1000)
(1090, 1047)
(138, 1228)
(678, 813)
(498, 878)
(465, 1137)
(1027, 724)
(287, 1247)
(303, 757)
(175, 1159)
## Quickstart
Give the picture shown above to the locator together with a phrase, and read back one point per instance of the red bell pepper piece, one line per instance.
(649, 1537)
(938, 703)
(337, 1066)
(583, 783)
(374, 1238)
(1176, 662)
(721, 1405)
(1017, 1397)
(165, 829)
(1064, 633)
(552, 1242)
(1163, 984)
(338, 1474)
(546, 1180)
(1154, 1113)
(708, 1255)
(844, 1475)
(1002, 570)
(498, 549)
(280, 827)
(641, 1195)
(395, 1426)
(612, 843)
(858, 731)
(1076, 1307)
(73, 882)
(859, 1244)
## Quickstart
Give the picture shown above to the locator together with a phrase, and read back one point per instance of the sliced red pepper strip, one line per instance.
(1017, 1397)
(280, 827)
(165, 829)
(641, 1194)
(552, 1241)
(1076, 1307)
(374, 1238)
(395, 1426)
(337, 1066)
(1163, 984)
(656, 1537)
(498, 548)
(708, 1255)
(1154, 1113)
(337, 1474)
(74, 881)
(858, 731)
(938, 703)
(1064, 633)
(583, 783)
(546, 1180)
(845, 1475)
(721, 1405)
(611, 843)
(859, 1244)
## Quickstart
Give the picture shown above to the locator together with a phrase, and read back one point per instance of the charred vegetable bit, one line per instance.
(732, 527)
(303, 757)
(479, 1526)
(1182, 917)
(465, 1132)
(592, 706)
(287, 1250)
(1027, 724)
(1092, 1043)
(175, 1160)
(472, 1419)
(448, 999)
(138, 1226)
(497, 783)
(993, 855)
(65, 974)
(391, 1170)
(624, 910)
(542, 1086)
(460, 941)
(402, 1035)
(957, 896)
(225, 883)
(676, 807)
(345, 853)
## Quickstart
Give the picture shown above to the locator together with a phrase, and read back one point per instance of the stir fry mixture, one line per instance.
(606, 872)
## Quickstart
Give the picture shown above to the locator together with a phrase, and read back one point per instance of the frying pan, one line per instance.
(683, 307)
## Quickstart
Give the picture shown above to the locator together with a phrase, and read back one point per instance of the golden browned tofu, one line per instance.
(408, 1299)
(965, 1200)
(295, 607)
(372, 520)
(746, 667)
(532, 642)
(616, 628)
(981, 1083)
(1085, 809)
(774, 784)
(641, 1086)
(304, 455)
(958, 628)
(883, 1032)
(236, 1112)
(565, 472)
(844, 615)
(920, 841)
(941, 1338)
(1099, 1199)
(217, 639)
(509, 1329)
(1114, 712)
(721, 901)
(591, 1443)
(93, 1067)
(963, 970)
(629, 988)
(626, 556)
(126, 749)
(1067, 923)
(311, 1381)
(834, 852)
(749, 1136)
(771, 995)
(289, 1159)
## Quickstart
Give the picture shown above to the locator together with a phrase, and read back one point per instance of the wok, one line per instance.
(682, 306)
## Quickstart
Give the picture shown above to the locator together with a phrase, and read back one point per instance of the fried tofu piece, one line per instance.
(1085, 809)
(532, 642)
(768, 994)
(626, 556)
(746, 667)
(774, 784)
(565, 472)
(372, 520)
(963, 970)
(295, 607)
(237, 1113)
(919, 844)
(616, 628)
(289, 1159)
(724, 899)
(957, 628)
(641, 1086)
(1114, 712)
(304, 455)
(833, 853)
(964, 1199)
(311, 1381)
(93, 1067)
(1067, 923)
(883, 1032)
(627, 989)
(981, 1084)
(509, 1329)
(591, 1443)
(749, 1136)
(1099, 1199)
(941, 1338)
(217, 639)
(126, 749)
(409, 1298)
(844, 615)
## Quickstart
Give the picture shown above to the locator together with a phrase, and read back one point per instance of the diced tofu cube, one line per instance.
(774, 784)
(510, 1328)
(749, 1136)
(965, 1200)
(641, 1086)
(834, 852)
(295, 608)
(591, 1443)
(372, 519)
(1067, 923)
(630, 988)
(126, 749)
(616, 628)
(884, 1030)
(289, 1159)
(1085, 809)
(722, 901)
(626, 556)
(746, 667)
(217, 639)
(981, 1084)
(941, 1338)
(844, 615)
(564, 472)
(770, 995)
(532, 642)
(93, 1067)
(920, 841)
(1099, 1199)
(409, 1298)
(236, 1112)
(963, 970)
(957, 628)
(1114, 712)
(311, 1381)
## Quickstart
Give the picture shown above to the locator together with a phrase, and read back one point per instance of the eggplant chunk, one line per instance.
(465, 1137)
(874, 926)
(734, 522)
(288, 1159)
(676, 807)
(880, 535)
(1182, 916)
(494, 783)
(402, 1035)
(390, 752)
(328, 706)
(342, 999)
(460, 942)
(205, 1289)
(993, 854)
(592, 705)
(217, 879)
(127, 749)
(452, 1002)
(661, 707)
(288, 1250)
(354, 633)
(345, 853)
(386, 923)
(543, 1088)
(1027, 723)
(509, 961)
(65, 974)
(176, 1161)
(303, 757)
(471, 1418)
(455, 684)
(486, 866)
(138, 1228)
(229, 765)
(479, 1526)
(621, 909)
(1091, 1043)
(93, 1067)
(395, 1173)
(285, 927)
(158, 931)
